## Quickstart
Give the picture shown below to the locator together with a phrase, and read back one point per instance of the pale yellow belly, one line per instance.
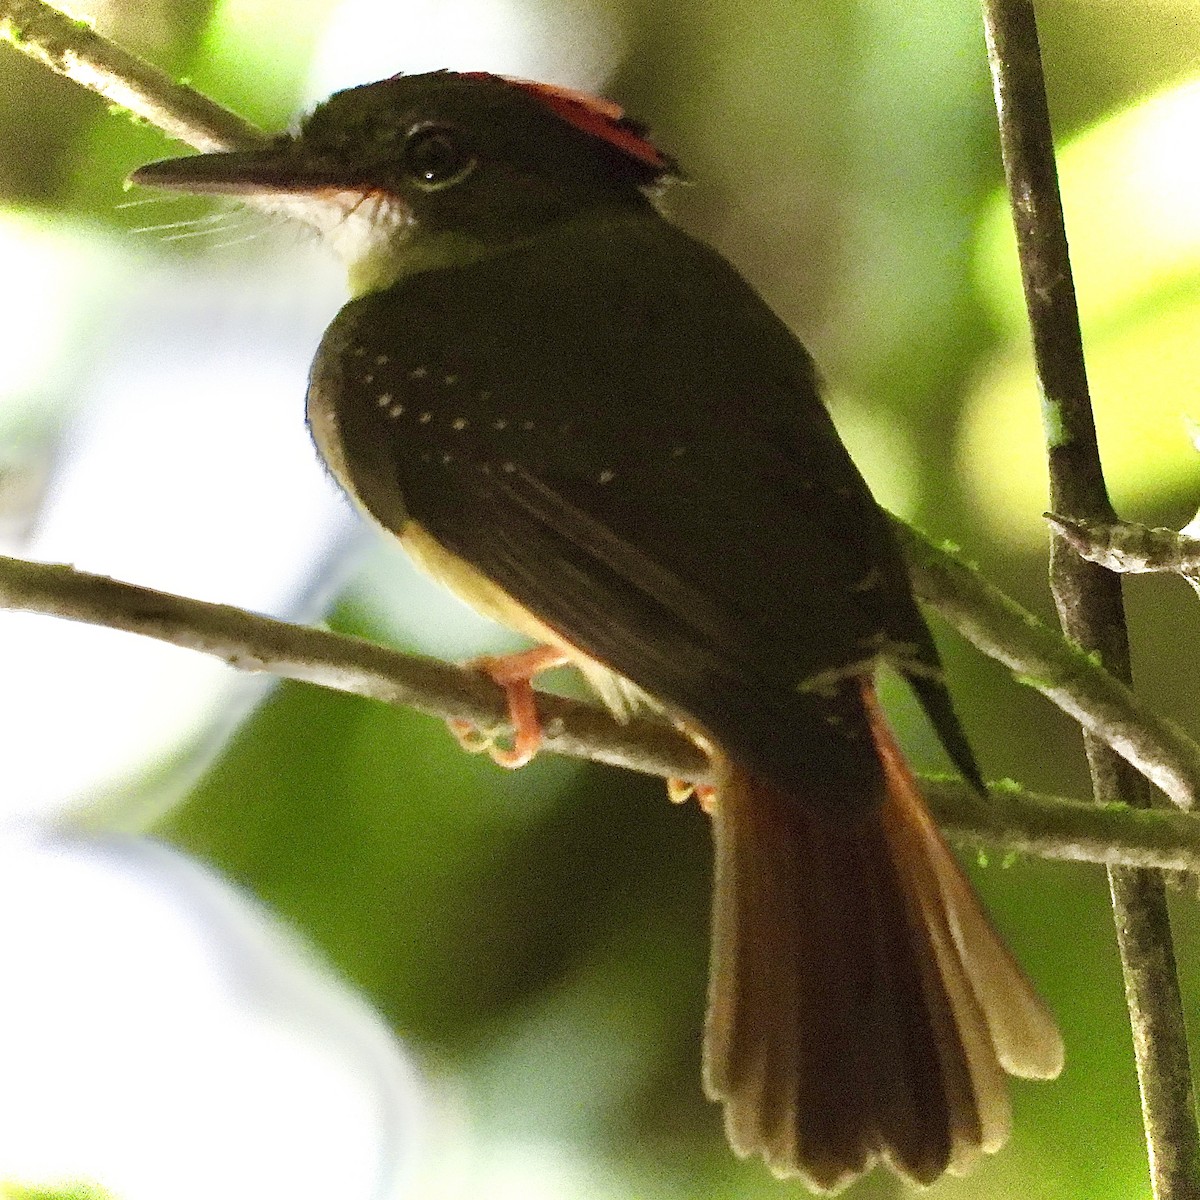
(621, 695)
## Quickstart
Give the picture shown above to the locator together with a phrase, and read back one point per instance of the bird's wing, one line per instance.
(613, 427)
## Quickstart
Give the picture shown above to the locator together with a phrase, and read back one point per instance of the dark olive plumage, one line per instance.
(612, 426)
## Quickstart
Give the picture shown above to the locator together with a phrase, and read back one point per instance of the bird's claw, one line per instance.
(681, 790)
(514, 673)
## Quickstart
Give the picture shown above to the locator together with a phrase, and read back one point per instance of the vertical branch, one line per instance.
(1088, 597)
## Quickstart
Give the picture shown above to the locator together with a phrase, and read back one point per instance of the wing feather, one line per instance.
(664, 486)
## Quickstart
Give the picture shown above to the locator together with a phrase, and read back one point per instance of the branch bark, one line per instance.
(249, 642)
(1016, 820)
(74, 49)
(1131, 548)
(1042, 659)
(1087, 596)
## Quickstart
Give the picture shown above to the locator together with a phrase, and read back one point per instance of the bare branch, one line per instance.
(1040, 657)
(1016, 820)
(1087, 596)
(74, 49)
(255, 643)
(1053, 827)
(1131, 548)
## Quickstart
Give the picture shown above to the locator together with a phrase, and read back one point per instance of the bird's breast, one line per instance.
(473, 587)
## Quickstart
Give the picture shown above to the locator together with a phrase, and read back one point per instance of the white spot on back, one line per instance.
(459, 423)
(607, 476)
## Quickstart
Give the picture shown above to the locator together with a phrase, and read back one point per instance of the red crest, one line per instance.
(594, 115)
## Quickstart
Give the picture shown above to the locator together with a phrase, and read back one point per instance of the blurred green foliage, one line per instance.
(540, 937)
(69, 1191)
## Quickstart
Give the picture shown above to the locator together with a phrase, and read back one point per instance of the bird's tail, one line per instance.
(862, 1008)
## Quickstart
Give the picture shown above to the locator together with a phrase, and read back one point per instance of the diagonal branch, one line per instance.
(1016, 820)
(254, 643)
(1041, 658)
(1088, 597)
(74, 49)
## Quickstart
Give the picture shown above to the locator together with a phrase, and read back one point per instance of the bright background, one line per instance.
(272, 941)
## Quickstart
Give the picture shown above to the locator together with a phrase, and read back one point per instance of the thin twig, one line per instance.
(1131, 548)
(987, 617)
(255, 643)
(1087, 596)
(74, 49)
(1040, 657)
(1016, 820)
(1072, 830)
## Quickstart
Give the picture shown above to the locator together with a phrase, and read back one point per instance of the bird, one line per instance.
(589, 425)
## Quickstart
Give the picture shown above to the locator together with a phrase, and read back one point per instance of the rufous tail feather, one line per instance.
(862, 1008)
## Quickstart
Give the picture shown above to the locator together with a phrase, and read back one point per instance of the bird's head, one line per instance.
(426, 170)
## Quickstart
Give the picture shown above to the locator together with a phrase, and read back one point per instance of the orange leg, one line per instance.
(514, 673)
(680, 790)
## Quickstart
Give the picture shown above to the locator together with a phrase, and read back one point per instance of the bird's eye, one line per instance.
(436, 156)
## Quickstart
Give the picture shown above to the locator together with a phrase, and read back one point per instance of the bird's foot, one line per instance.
(514, 673)
(681, 790)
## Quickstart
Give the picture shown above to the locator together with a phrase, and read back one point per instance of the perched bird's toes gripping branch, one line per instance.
(515, 674)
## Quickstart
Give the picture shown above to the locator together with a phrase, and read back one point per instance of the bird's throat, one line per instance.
(380, 256)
